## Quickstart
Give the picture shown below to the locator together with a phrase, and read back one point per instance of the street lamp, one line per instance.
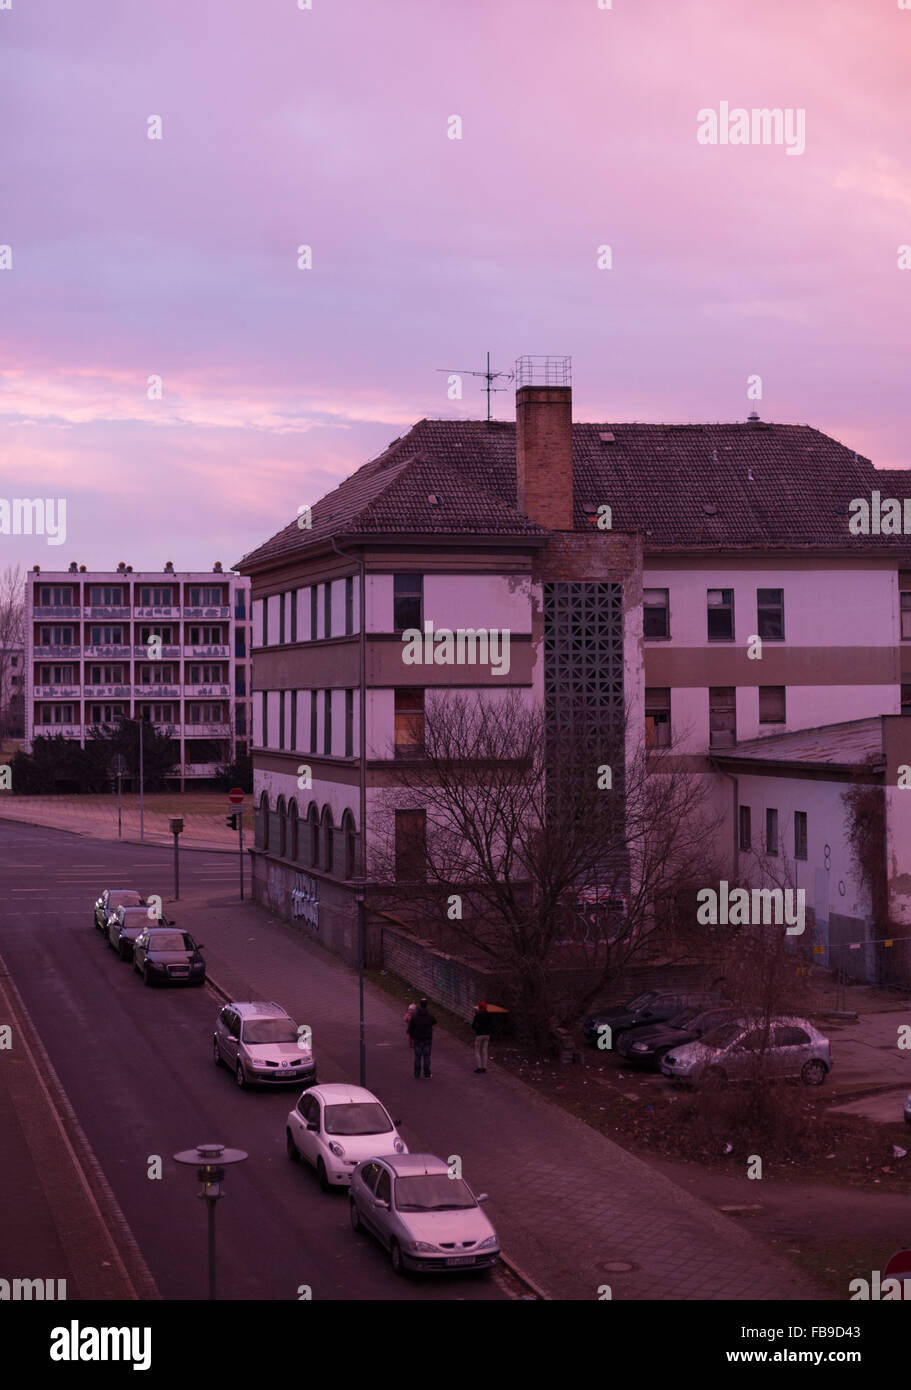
(210, 1161)
(359, 885)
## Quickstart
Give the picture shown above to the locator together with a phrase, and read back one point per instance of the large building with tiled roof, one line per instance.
(738, 599)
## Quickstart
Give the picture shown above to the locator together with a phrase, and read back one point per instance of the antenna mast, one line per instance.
(489, 376)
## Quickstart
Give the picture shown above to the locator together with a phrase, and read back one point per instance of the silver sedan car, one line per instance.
(746, 1049)
(426, 1218)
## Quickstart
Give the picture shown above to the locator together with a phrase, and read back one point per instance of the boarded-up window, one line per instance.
(722, 716)
(771, 704)
(657, 718)
(410, 846)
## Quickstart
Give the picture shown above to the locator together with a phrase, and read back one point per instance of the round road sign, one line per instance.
(236, 796)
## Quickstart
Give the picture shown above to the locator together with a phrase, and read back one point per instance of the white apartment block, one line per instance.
(170, 647)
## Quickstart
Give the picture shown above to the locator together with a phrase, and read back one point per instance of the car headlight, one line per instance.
(399, 1146)
(489, 1244)
(422, 1245)
(336, 1149)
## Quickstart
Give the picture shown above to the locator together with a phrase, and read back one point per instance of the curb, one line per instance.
(515, 1270)
(126, 1255)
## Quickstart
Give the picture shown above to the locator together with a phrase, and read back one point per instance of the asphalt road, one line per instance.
(137, 1067)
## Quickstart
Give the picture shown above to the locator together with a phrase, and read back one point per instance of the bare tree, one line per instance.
(12, 643)
(538, 859)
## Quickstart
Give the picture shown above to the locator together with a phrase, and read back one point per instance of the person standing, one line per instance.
(409, 1014)
(420, 1031)
(482, 1027)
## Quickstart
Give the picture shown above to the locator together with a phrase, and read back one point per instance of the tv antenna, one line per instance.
(489, 376)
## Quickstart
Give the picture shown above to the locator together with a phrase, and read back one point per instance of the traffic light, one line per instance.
(231, 822)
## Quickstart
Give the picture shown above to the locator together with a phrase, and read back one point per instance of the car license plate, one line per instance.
(461, 1260)
(178, 971)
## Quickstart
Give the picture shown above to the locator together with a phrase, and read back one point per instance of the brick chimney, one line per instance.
(544, 454)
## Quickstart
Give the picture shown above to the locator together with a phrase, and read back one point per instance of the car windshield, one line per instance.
(170, 941)
(722, 1036)
(640, 1000)
(359, 1117)
(685, 1016)
(269, 1030)
(433, 1192)
(124, 898)
(136, 914)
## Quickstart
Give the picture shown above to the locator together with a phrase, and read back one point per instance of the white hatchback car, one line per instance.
(335, 1127)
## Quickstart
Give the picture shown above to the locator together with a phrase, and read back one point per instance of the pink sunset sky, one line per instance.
(178, 258)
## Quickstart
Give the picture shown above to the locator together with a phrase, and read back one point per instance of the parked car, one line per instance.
(651, 1006)
(421, 1214)
(110, 900)
(125, 924)
(735, 1051)
(335, 1127)
(260, 1042)
(908, 1109)
(647, 1046)
(168, 956)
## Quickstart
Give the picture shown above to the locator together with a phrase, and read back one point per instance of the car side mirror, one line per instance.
(483, 1197)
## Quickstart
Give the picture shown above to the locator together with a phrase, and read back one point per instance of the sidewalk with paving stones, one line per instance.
(573, 1210)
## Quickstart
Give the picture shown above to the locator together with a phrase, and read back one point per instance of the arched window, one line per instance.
(328, 840)
(350, 844)
(313, 824)
(282, 825)
(292, 830)
(264, 820)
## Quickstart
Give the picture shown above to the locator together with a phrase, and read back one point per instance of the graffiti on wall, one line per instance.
(305, 899)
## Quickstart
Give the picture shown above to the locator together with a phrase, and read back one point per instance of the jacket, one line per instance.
(421, 1027)
(482, 1023)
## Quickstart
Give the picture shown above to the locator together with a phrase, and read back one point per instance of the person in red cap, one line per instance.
(482, 1026)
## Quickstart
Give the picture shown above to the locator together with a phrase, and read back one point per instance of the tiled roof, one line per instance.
(850, 744)
(744, 486)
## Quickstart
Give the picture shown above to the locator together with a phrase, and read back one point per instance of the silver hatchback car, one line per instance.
(745, 1048)
(426, 1218)
(261, 1042)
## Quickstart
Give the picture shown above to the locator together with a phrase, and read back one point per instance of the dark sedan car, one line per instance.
(651, 1006)
(647, 1046)
(110, 900)
(125, 924)
(168, 956)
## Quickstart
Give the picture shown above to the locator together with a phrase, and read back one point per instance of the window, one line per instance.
(240, 681)
(282, 825)
(281, 618)
(410, 846)
(328, 830)
(313, 721)
(721, 615)
(384, 1187)
(314, 612)
(771, 704)
(771, 831)
(656, 613)
(657, 718)
(154, 596)
(264, 820)
(349, 723)
(327, 722)
(265, 603)
(786, 1035)
(106, 636)
(293, 743)
(722, 716)
(148, 675)
(407, 601)
(265, 699)
(292, 830)
(56, 597)
(240, 604)
(313, 827)
(113, 675)
(770, 614)
(56, 637)
(409, 723)
(166, 634)
(349, 844)
(906, 699)
(349, 605)
(206, 636)
(56, 714)
(905, 599)
(106, 714)
(206, 596)
(55, 675)
(745, 830)
(157, 714)
(800, 834)
(105, 595)
(281, 719)
(240, 642)
(327, 610)
(292, 596)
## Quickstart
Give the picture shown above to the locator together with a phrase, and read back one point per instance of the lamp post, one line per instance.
(141, 783)
(210, 1161)
(359, 895)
